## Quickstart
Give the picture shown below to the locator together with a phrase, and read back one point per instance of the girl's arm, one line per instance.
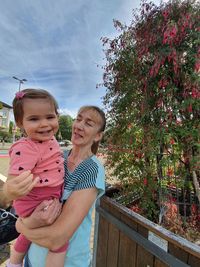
(56, 235)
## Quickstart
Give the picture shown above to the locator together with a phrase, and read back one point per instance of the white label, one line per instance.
(157, 240)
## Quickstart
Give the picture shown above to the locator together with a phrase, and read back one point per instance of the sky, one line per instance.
(56, 46)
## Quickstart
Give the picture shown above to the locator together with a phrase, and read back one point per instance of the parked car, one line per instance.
(65, 142)
(61, 143)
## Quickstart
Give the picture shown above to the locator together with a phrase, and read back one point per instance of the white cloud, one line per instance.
(56, 45)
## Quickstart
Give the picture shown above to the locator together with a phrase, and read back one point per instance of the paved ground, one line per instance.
(4, 161)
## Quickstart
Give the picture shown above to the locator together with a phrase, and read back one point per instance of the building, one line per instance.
(5, 114)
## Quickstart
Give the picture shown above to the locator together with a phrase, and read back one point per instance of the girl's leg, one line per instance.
(55, 259)
(18, 251)
(8, 264)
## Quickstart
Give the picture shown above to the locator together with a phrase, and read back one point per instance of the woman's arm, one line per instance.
(18, 186)
(72, 215)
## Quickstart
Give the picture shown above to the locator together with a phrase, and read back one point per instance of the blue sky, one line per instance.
(56, 45)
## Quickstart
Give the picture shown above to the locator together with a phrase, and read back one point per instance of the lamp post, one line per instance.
(20, 81)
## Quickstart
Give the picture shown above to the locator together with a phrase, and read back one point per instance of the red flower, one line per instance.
(145, 181)
(197, 66)
(173, 31)
(165, 14)
(189, 108)
(170, 172)
(195, 93)
(163, 83)
(194, 208)
(172, 141)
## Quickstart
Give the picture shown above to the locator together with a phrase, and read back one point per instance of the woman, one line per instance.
(84, 183)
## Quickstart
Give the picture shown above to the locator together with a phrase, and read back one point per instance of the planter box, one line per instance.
(123, 238)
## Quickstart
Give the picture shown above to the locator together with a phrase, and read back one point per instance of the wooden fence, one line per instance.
(123, 238)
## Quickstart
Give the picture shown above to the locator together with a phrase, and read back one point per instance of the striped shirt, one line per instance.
(83, 177)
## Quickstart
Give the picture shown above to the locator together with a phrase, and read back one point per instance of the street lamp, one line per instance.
(20, 81)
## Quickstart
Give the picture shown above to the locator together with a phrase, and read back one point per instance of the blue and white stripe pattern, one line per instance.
(83, 177)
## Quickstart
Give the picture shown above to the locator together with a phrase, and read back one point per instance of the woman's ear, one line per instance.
(98, 137)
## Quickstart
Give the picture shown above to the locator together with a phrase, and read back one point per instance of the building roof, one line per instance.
(5, 105)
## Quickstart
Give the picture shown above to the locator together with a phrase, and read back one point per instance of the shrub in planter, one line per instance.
(153, 102)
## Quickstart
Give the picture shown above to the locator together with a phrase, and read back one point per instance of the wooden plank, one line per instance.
(112, 209)
(194, 261)
(127, 252)
(113, 239)
(143, 231)
(113, 246)
(130, 222)
(101, 256)
(158, 263)
(144, 258)
(178, 252)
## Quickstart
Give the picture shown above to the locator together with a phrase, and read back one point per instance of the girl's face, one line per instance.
(85, 129)
(40, 121)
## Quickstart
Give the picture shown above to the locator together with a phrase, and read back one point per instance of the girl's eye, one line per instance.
(33, 119)
(89, 124)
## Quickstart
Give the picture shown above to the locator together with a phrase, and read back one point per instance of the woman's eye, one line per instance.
(51, 117)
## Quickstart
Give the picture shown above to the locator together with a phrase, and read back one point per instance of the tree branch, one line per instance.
(196, 185)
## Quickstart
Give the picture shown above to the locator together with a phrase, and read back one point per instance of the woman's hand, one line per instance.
(44, 214)
(20, 185)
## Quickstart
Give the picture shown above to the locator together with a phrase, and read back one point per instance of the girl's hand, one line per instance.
(44, 214)
(20, 185)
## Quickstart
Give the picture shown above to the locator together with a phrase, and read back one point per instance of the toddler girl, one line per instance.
(36, 114)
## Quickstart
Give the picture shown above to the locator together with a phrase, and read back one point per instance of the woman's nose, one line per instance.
(80, 125)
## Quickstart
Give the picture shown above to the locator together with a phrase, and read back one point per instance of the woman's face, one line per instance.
(86, 128)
